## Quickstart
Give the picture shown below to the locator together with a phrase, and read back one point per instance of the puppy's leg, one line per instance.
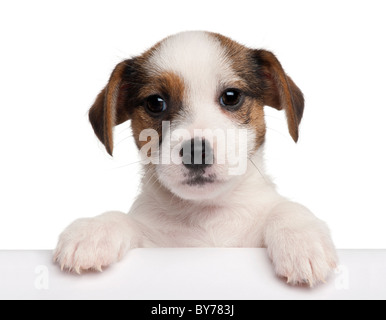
(93, 243)
(299, 244)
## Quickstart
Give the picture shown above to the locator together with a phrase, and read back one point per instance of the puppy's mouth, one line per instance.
(199, 180)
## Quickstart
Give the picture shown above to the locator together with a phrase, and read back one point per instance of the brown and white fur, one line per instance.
(190, 71)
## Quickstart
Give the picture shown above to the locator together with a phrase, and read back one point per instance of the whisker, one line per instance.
(274, 117)
(124, 129)
(266, 181)
(277, 131)
(123, 139)
(129, 164)
(151, 181)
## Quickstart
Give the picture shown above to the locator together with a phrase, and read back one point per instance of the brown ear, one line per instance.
(109, 108)
(279, 91)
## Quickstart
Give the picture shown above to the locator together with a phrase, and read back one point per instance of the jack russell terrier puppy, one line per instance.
(196, 104)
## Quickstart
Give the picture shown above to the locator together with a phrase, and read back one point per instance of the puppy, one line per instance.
(196, 104)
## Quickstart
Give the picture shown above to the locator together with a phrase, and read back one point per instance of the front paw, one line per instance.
(303, 259)
(93, 243)
(300, 246)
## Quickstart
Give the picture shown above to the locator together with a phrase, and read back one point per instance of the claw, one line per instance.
(77, 270)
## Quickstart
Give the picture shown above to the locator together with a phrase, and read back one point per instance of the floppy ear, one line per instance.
(109, 107)
(279, 91)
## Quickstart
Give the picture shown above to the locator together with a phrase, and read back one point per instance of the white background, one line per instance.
(56, 56)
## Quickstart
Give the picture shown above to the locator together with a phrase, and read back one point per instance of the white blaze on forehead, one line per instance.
(199, 59)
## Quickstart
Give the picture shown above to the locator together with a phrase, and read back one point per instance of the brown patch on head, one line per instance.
(267, 84)
(124, 98)
(115, 103)
(243, 63)
(166, 84)
(170, 87)
(251, 113)
(255, 119)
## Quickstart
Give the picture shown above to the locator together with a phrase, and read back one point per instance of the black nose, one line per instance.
(196, 154)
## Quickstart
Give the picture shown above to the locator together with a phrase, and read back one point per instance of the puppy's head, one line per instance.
(196, 101)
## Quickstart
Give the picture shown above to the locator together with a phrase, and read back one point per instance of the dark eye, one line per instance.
(155, 105)
(231, 98)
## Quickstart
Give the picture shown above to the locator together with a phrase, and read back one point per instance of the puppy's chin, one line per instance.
(197, 188)
(200, 191)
